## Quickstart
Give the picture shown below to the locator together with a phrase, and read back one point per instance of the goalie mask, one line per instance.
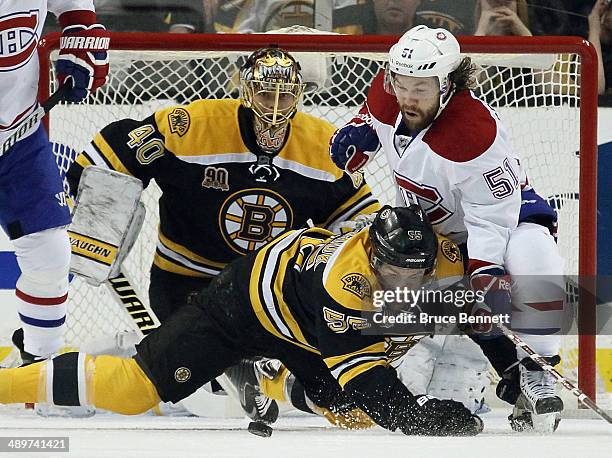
(404, 247)
(271, 85)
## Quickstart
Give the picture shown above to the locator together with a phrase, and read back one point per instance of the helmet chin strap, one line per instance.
(446, 96)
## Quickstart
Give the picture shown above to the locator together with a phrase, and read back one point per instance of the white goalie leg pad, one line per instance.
(131, 235)
(416, 367)
(122, 344)
(447, 367)
(42, 289)
(108, 204)
(460, 373)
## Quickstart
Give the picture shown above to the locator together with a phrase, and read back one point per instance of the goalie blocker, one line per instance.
(106, 220)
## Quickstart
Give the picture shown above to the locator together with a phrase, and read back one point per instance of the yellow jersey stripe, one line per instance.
(83, 160)
(170, 266)
(185, 252)
(261, 292)
(354, 206)
(271, 283)
(107, 152)
(358, 370)
(256, 302)
(278, 294)
(333, 361)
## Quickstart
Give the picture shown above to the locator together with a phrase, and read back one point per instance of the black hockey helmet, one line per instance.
(403, 237)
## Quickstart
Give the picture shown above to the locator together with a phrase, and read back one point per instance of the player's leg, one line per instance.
(171, 363)
(538, 299)
(247, 379)
(77, 379)
(42, 292)
(168, 291)
(34, 213)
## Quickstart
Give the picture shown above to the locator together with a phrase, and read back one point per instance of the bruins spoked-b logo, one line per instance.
(182, 374)
(252, 217)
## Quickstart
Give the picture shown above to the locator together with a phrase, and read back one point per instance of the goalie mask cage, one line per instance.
(544, 89)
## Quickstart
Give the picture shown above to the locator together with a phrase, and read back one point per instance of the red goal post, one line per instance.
(584, 101)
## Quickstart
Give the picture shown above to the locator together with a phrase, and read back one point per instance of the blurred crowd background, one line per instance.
(591, 19)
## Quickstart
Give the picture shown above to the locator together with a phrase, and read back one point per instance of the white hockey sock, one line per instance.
(44, 322)
(544, 345)
(42, 289)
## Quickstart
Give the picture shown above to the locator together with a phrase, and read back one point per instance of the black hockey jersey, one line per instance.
(310, 290)
(222, 196)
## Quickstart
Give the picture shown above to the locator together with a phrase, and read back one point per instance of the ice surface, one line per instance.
(108, 435)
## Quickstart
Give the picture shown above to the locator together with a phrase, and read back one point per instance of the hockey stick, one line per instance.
(39, 113)
(123, 292)
(540, 361)
(146, 321)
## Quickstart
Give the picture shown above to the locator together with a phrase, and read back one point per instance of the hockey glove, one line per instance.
(345, 414)
(534, 209)
(429, 416)
(83, 54)
(493, 297)
(354, 145)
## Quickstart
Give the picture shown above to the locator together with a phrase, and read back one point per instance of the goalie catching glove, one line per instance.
(344, 413)
(83, 55)
(355, 144)
(107, 218)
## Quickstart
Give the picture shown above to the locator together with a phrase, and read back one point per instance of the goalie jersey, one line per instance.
(312, 291)
(222, 196)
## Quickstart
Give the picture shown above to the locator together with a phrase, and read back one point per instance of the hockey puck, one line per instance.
(260, 429)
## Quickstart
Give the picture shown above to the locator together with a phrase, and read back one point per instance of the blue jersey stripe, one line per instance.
(42, 323)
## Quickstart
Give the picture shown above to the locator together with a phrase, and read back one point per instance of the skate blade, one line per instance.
(47, 410)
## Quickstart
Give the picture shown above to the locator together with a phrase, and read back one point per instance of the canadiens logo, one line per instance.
(357, 284)
(179, 121)
(182, 374)
(450, 251)
(18, 39)
(252, 217)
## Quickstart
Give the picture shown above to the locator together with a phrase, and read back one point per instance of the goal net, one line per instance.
(535, 85)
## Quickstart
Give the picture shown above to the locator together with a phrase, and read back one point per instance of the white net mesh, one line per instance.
(538, 104)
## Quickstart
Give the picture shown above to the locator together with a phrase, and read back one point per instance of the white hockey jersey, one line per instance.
(461, 169)
(21, 24)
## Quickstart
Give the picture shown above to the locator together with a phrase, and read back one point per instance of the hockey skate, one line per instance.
(537, 408)
(48, 410)
(246, 377)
